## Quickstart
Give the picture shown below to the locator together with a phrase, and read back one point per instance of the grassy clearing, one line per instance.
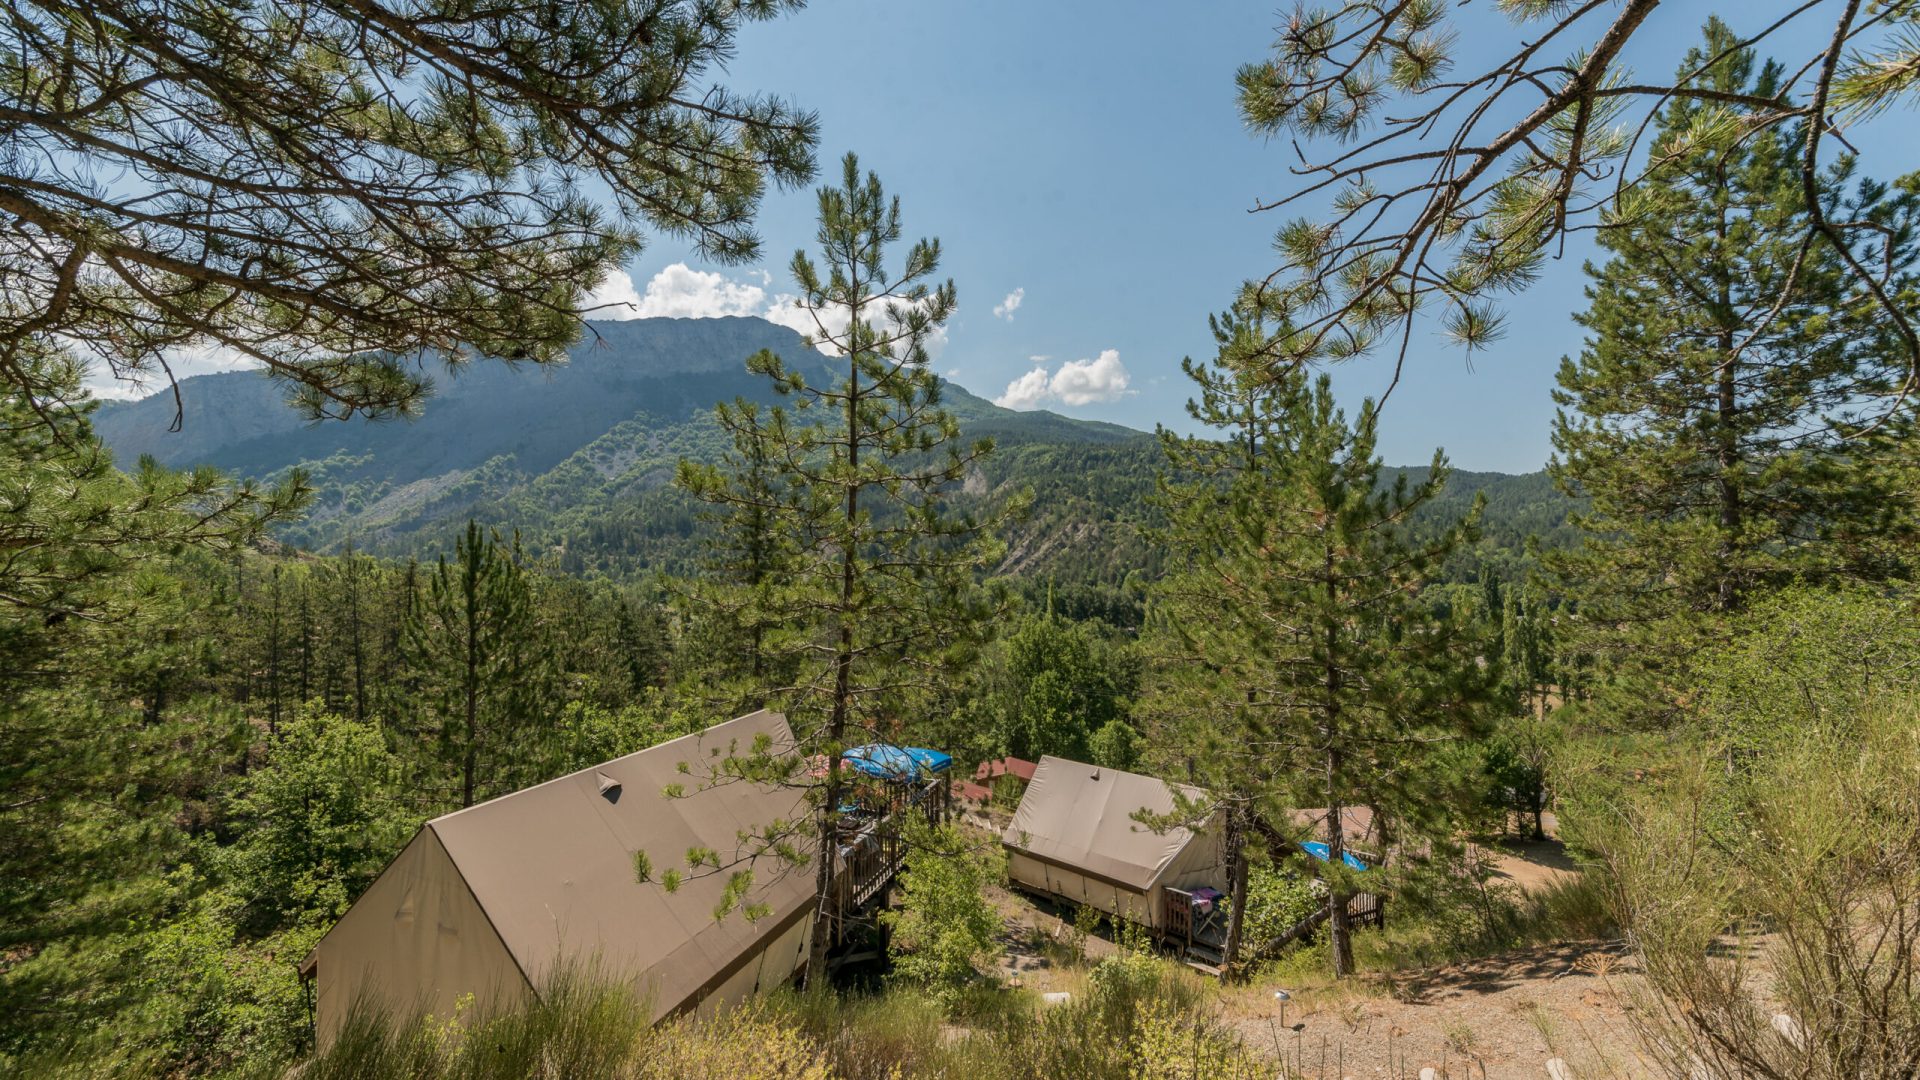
(1131, 1015)
(1573, 908)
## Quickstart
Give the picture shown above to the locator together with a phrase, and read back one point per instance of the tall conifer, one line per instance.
(1711, 417)
(876, 589)
(474, 639)
(1304, 668)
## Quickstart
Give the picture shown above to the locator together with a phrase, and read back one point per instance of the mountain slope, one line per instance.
(579, 458)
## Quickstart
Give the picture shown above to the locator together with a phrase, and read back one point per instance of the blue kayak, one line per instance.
(1322, 852)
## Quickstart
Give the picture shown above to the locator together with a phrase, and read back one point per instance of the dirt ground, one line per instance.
(1530, 864)
(1035, 940)
(1491, 1019)
(1496, 1018)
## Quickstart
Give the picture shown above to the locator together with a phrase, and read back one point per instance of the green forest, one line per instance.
(1639, 727)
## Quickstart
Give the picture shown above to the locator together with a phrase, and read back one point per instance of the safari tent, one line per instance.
(487, 901)
(1074, 836)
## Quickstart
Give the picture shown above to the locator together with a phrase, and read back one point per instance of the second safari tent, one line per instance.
(1075, 837)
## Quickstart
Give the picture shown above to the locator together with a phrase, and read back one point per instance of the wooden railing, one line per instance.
(1176, 915)
(1367, 909)
(872, 852)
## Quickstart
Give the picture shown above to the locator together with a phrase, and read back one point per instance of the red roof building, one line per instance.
(971, 792)
(1018, 768)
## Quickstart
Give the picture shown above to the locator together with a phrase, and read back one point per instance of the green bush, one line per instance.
(1177, 1044)
(1786, 888)
(944, 922)
(1806, 658)
(1277, 901)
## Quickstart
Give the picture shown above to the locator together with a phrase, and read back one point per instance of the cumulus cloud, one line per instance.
(1005, 308)
(1089, 382)
(679, 291)
(1077, 382)
(1029, 391)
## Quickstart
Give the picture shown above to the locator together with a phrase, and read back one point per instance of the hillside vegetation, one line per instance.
(579, 460)
(1611, 771)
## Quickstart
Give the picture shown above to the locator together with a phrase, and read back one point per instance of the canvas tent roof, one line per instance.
(1080, 815)
(552, 867)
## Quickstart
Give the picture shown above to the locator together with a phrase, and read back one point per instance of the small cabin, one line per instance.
(1075, 837)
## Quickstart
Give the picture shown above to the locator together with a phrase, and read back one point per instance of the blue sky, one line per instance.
(1091, 157)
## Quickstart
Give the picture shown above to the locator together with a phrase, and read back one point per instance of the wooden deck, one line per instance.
(872, 850)
(1200, 937)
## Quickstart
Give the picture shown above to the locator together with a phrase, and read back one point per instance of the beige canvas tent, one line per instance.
(488, 900)
(1074, 837)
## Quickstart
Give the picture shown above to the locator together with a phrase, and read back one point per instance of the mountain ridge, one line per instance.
(579, 458)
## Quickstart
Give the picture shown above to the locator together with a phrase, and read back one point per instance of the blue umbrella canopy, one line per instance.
(899, 763)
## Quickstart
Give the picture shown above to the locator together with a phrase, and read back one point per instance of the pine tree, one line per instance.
(875, 598)
(90, 809)
(1709, 416)
(337, 192)
(1303, 667)
(476, 643)
(348, 574)
(729, 607)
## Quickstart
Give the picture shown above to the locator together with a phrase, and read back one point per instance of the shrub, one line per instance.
(1786, 889)
(1007, 789)
(1805, 658)
(1170, 1043)
(747, 1043)
(1277, 900)
(871, 1037)
(944, 922)
(1115, 745)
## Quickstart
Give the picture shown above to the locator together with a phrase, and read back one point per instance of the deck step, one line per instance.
(1203, 968)
(1206, 952)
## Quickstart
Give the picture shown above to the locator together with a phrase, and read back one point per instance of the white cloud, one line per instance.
(1028, 391)
(101, 382)
(1087, 382)
(678, 292)
(786, 310)
(1040, 359)
(1005, 308)
(1077, 382)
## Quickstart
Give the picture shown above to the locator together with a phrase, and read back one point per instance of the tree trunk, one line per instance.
(1726, 407)
(825, 899)
(472, 688)
(1236, 840)
(1339, 933)
(273, 657)
(359, 648)
(1337, 929)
